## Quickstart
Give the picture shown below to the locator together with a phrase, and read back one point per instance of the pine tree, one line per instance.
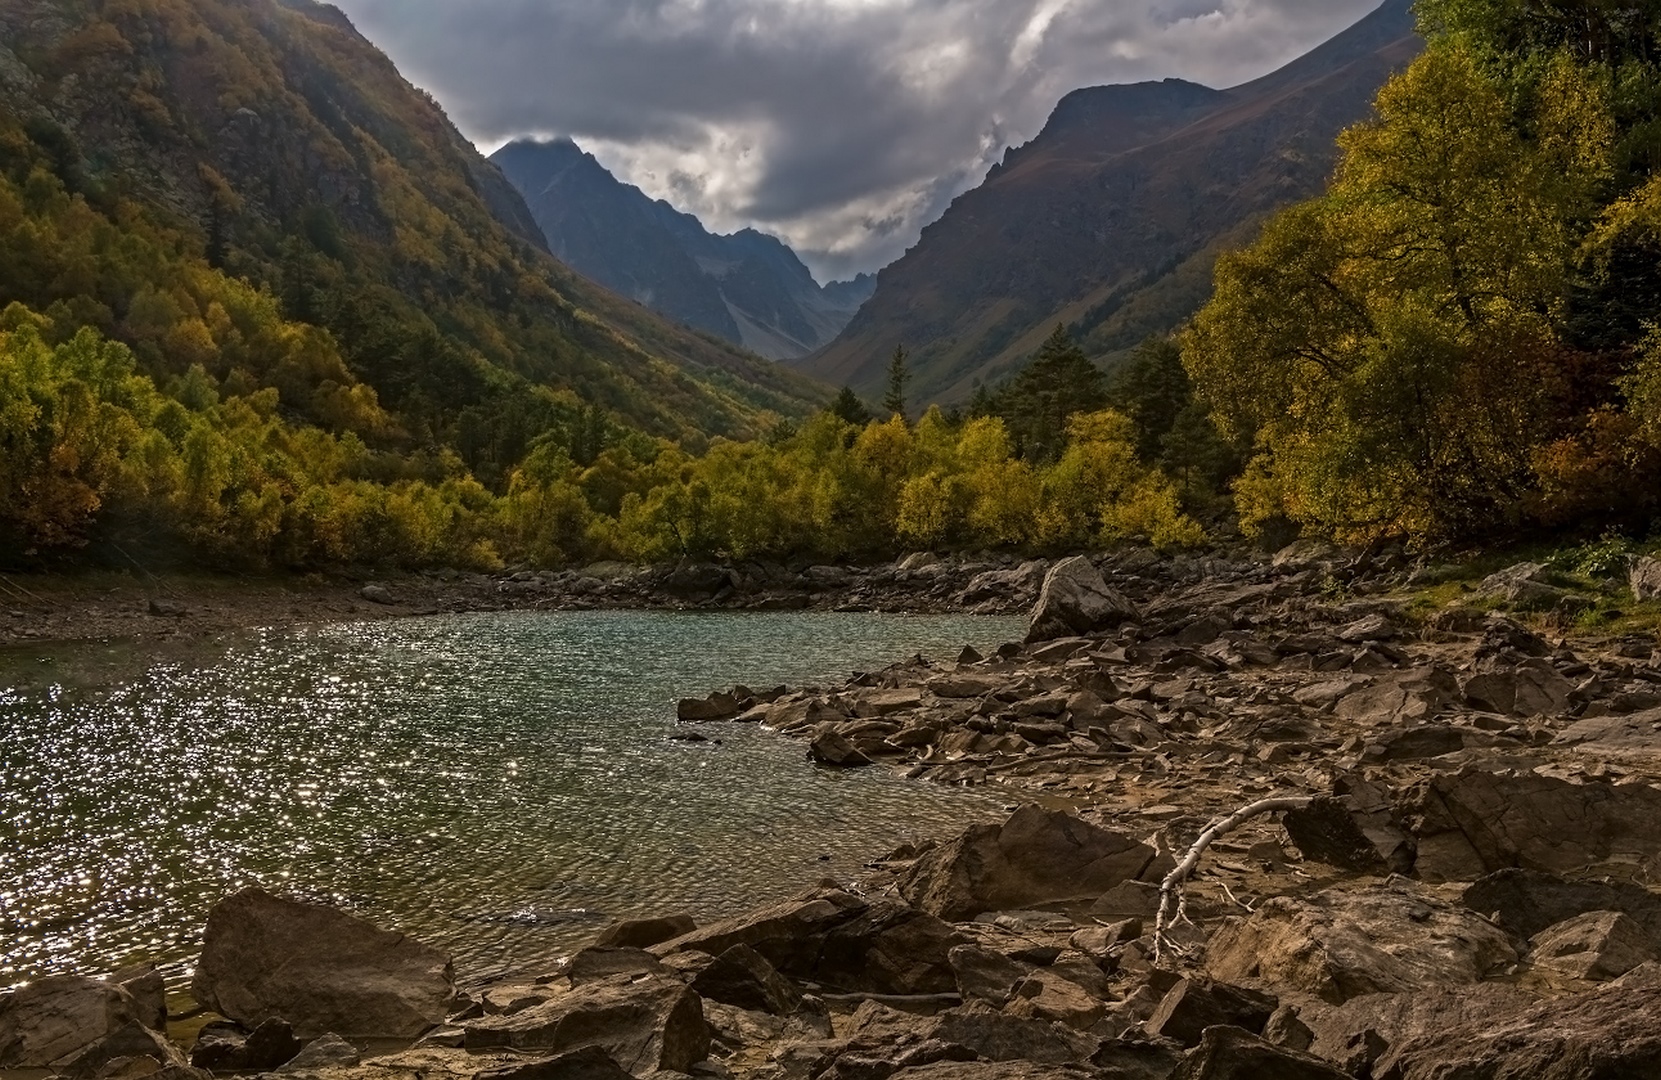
(893, 402)
(849, 407)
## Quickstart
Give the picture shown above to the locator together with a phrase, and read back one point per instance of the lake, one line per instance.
(499, 785)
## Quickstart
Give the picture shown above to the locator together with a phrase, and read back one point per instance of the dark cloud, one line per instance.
(842, 125)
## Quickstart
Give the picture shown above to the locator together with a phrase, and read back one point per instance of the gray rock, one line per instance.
(1388, 938)
(1076, 600)
(741, 976)
(324, 1052)
(1193, 1005)
(377, 594)
(1644, 578)
(982, 973)
(646, 1025)
(1525, 691)
(832, 748)
(1475, 822)
(1525, 902)
(149, 992)
(226, 1047)
(996, 1036)
(318, 968)
(58, 1017)
(717, 706)
(1597, 945)
(1351, 833)
(1611, 1033)
(1036, 856)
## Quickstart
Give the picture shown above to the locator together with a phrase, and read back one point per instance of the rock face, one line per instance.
(1611, 1033)
(1644, 578)
(1526, 902)
(1475, 822)
(1037, 856)
(1384, 939)
(59, 1017)
(1076, 600)
(319, 969)
(645, 1025)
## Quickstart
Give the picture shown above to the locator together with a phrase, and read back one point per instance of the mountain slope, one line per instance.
(748, 288)
(273, 143)
(1111, 218)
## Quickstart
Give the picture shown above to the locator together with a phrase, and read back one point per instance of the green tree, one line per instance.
(893, 401)
(848, 406)
(1390, 348)
(1056, 384)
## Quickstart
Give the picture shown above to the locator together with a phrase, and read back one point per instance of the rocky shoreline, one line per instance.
(110, 606)
(1454, 875)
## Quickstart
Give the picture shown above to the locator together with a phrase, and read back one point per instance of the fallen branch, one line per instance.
(1171, 888)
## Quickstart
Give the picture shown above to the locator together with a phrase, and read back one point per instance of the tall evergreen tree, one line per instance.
(1058, 382)
(893, 401)
(849, 407)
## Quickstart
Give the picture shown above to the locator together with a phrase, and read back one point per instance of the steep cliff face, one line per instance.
(287, 150)
(1111, 218)
(748, 288)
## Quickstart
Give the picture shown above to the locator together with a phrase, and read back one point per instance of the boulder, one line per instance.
(149, 991)
(59, 1017)
(743, 977)
(717, 706)
(831, 747)
(1525, 585)
(1388, 938)
(596, 963)
(1474, 822)
(1606, 736)
(1357, 1033)
(696, 580)
(1644, 578)
(1193, 1005)
(324, 1052)
(1409, 697)
(1076, 599)
(1525, 902)
(1355, 831)
(839, 940)
(984, 974)
(987, 1070)
(318, 968)
(966, 684)
(644, 933)
(378, 594)
(225, 1047)
(646, 1024)
(996, 1036)
(129, 1051)
(1535, 690)
(1036, 856)
(1597, 945)
(1610, 1033)
(1229, 1053)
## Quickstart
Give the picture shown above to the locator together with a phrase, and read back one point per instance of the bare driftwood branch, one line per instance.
(1170, 890)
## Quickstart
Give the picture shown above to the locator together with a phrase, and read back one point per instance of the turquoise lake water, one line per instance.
(500, 785)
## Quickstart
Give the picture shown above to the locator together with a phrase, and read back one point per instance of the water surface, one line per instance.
(497, 784)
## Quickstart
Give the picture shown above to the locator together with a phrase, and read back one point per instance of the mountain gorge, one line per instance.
(1110, 219)
(268, 145)
(747, 288)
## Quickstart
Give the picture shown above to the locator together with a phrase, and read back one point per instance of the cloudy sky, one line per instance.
(843, 126)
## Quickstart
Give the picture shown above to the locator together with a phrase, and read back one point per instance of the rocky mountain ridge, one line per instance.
(748, 288)
(1110, 219)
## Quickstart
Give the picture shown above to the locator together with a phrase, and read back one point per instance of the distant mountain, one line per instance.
(748, 288)
(268, 142)
(1110, 220)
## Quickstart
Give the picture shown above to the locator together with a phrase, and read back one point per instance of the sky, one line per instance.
(842, 126)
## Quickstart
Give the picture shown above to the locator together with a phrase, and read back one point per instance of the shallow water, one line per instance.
(496, 784)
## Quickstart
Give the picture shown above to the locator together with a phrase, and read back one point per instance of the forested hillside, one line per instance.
(1459, 339)
(262, 235)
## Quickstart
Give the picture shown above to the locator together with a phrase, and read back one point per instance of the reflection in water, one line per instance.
(495, 784)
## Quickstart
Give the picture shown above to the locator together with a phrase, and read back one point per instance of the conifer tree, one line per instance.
(893, 402)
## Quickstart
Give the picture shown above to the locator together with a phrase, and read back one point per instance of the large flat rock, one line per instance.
(318, 968)
(646, 1025)
(1036, 856)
